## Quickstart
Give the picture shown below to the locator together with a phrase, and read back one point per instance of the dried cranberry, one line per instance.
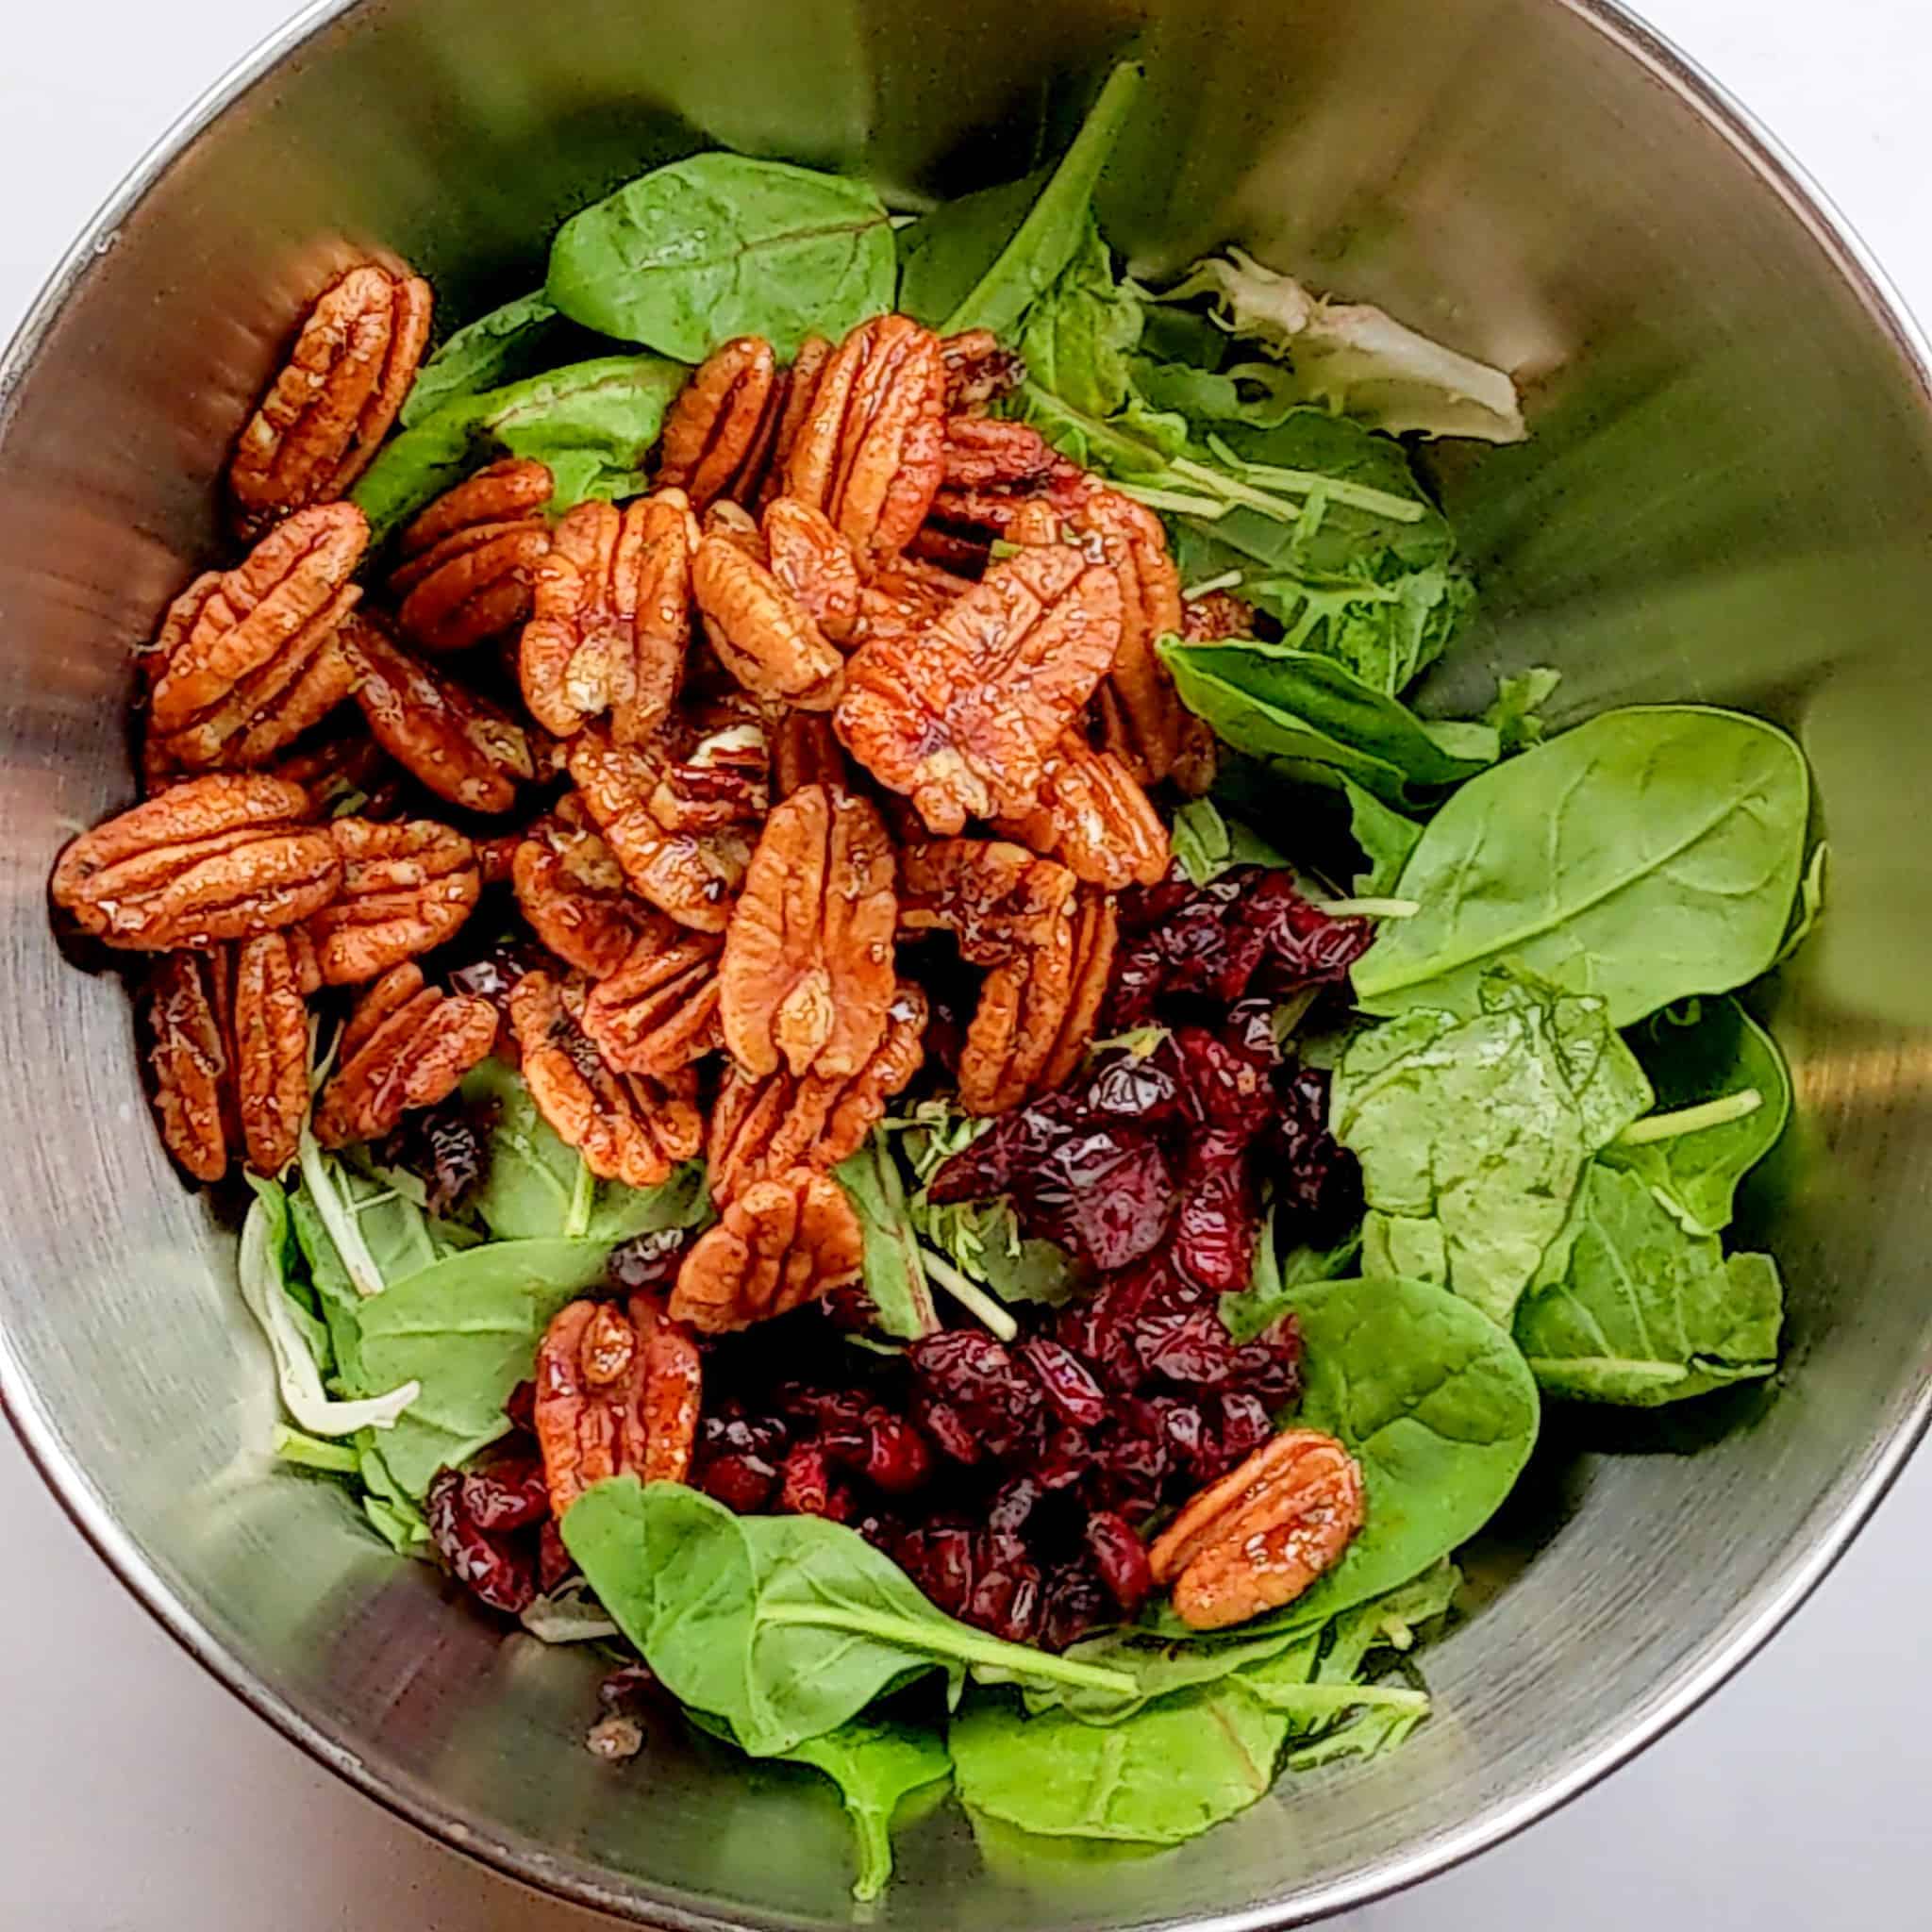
(743, 1483)
(1245, 1424)
(1073, 1602)
(1068, 1381)
(1248, 1029)
(805, 1483)
(977, 1377)
(1064, 1462)
(849, 1309)
(553, 1561)
(521, 1406)
(1120, 1558)
(1187, 1346)
(1012, 1506)
(1104, 1194)
(494, 1569)
(446, 1148)
(1317, 1188)
(647, 1262)
(939, 1560)
(1143, 1087)
(897, 1457)
(493, 975)
(1005, 1597)
(629, 1687)
(1220, 1087)
(946, 1426)
(1217, 1228)
(507, 1492)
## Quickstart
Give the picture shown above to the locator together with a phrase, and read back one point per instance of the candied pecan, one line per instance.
(611, 617)
(762, 1126)
(406, 887)
(869, 451)
(718, 435)
(1096, 932)
(628, 1127)
(781, 1243)
(471, 559)
(978, 370)
(454, 743)
(322, 421)
(763, 633)
(960, 716)
(659, 1012)
(1258, 1537)
(814, 562)
(617, 1390)
(247, 658)
(906, 595)
(801, 391)
(805, 750)
(347, 766)
(405, 1046)
(995, 897)
(1217, 614)
(221, 858)
(1094, 819)
(572, 891)
(269, 1051)
(693, 875)
(807, 975)
(994, 454)
(189, 1055)
(724, 779)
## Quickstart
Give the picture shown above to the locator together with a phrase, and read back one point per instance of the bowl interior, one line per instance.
(1723, 499)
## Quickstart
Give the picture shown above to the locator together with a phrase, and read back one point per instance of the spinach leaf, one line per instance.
(467, 1330)
(1517, 713)
(1474, 1134)
(509, 342)
(894, 1267)
(1208, 845)
(1386, 838)
(876, 1765)
(784, 1626)
(943, 255)
(1167, 1775)
(592, 423)
(1053, 228)
(1254, 394)
(720, 245)
(1080, 338)
(539, 1187)
(1281, 703)
(1645, 1313)
(1659, 845)
(1278, 1279)
(1711, 1050)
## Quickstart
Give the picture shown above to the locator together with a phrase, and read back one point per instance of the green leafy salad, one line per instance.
(1410, 1084)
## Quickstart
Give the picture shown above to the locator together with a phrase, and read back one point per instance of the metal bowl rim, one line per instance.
(1748, 1628)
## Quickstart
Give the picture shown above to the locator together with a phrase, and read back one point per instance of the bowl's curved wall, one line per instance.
(1725, 497)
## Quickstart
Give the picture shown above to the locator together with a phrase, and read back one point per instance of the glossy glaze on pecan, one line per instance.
(960, 716)
(225, 857)
(719, 433)
(806, 976)
(764, 632)
(406, 1045)
(978, 370)
(1094, 818)
(611, 617)
(781, 1243)
(1264, 1534)
(804, 750)
(470, 560)
(454, 743)
(658, 1012)
(406, 886)
(573, 892)
(320, 423)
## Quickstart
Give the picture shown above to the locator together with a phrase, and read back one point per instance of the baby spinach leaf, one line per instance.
(509, 342)
(592, 423)
(1276, 1281)
(1255, 394)
(467, 1330)
(1705, 1052)
(894, 1269)
(1166, 1774)
(1472, 1134)
(1079, 337)
(538, 1187)
(943, 255)
(1645, 1313)
(1281, 703)
(1386, 838)
(876, 1765)
(720, 245)
(784, 1626)
(1054, 226)
(1661, 845)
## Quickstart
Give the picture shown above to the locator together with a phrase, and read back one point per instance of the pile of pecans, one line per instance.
(867, 664)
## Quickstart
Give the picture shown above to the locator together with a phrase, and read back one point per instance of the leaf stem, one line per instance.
(338, 1218)
(1372, 908)
(583, 1196)
(1228, 580)
(968, 1645)
(1175, 502)
(969, 1296)
(1398, 509)
(1691, 1120)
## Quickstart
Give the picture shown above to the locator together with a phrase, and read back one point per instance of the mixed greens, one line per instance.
(1543, 1067)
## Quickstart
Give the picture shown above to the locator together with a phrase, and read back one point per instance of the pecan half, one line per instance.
(572, 890)
(471, 559)
(1260, 1536)
(905, 596)
(961, 715)
(814, 562)
(659, 1012)
(246, 659)
(763, 1126)
(187, 1051)
(320, 423)
(1217, 615)
(1094, 819)
(995, 897)
(765, 634)
(869, 449)
(406, 886)
(781, 1243)
(724, 779)
(617, 1390)
(693, 875)
(269, 1051)
(718, 435)
(801, 391)
(221, 858)
(405, 1046)
(805, 750)
(978, 370)
(611, 617)
(807, 975)
(454, 743)
(628, 1127)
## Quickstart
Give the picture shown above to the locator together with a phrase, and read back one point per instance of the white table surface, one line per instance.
(137, 1797)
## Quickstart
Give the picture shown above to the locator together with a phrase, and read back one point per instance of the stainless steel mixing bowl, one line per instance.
(1726, 497)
